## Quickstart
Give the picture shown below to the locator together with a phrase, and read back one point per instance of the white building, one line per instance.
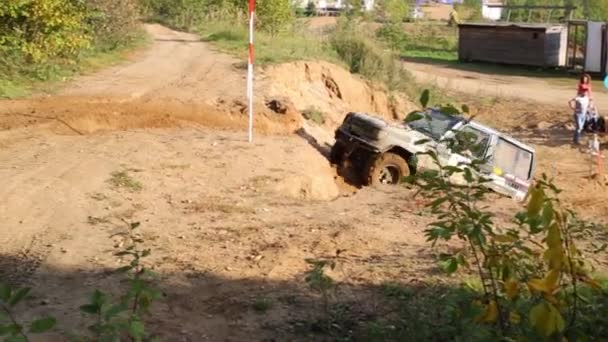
(491, 13)
(368, 5)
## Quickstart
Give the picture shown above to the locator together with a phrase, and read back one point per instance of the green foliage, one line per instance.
(393, 34)
(114, 320)
(262, 304)
(315, 115)
(311, 9)
(113, 23)
(291, 45)
(366, 57)
(52, 39)
(598, 10)
(124, 317)
(531, 271)
(187, 14)
(471, 9)
(122, 179)
(9, 326)
(393, 11)
(44, 29)
(429, 41)
(585, 9)
(274, 15)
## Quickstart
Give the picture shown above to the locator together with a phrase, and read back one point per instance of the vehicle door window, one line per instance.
(511, 159)
(472, 142)
(433, 124)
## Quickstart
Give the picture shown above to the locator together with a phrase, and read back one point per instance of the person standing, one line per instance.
(579, 105)
(584, 85)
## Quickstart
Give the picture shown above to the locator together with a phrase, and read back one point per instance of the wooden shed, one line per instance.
(543, 45)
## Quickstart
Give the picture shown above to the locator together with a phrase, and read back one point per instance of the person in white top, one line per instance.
(579, 105)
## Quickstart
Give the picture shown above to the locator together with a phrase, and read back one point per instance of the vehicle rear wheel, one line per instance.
(337, 153)
(387, 168)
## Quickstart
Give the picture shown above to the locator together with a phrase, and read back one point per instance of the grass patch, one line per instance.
(18, 79)
(262, 304)
(217, 205)
(350, 45)
(93, 220)
(423, 40)
(315, 115)
(122, 179)
(290, 45)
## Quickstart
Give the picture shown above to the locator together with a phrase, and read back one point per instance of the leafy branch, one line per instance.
(124, 317)
(13, 330)
(535, 259)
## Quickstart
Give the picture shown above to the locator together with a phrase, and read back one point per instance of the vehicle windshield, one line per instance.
(433, 123)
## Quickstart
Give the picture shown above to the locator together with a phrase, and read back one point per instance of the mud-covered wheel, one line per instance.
(337, 153)
(387, 168)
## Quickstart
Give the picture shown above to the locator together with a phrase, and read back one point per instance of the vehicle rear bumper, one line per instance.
(352, 142)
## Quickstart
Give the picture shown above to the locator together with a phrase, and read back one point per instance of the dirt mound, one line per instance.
(331, 89)
(86, 115)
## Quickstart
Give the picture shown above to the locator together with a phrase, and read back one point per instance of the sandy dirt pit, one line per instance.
(230, 223)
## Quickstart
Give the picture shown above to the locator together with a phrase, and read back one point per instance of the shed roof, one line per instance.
(527, 26)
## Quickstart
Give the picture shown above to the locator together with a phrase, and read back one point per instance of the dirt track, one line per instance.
(503, 86)
(229, 222)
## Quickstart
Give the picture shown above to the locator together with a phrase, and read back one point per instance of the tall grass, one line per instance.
(349, 45)
(422, 40)
(365, 55)
(292, 44)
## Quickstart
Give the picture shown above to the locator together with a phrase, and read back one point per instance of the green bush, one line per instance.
(44, 29)
(47, 39)
(311, 9)
(274, 15)
(363, 55)
(393, 11)
(113, 23)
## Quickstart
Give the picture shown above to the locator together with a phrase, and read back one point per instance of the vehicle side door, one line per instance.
(464, 145)
(512, 168)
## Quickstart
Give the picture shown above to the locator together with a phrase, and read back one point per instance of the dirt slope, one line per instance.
(333, 90)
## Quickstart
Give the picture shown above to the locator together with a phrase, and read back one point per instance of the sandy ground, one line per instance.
(229, 223)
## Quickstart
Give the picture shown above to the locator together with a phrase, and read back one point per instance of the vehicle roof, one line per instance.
(475, 124)
(491, 131)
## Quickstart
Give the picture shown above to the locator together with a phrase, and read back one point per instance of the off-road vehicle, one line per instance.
(385, 153)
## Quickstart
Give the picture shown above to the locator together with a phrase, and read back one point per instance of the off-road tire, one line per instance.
(337, 153)
(377, 169)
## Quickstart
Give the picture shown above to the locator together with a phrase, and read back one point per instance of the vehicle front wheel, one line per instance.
(387, 168)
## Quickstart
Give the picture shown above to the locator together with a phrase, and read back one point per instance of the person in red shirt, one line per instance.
(584, 85)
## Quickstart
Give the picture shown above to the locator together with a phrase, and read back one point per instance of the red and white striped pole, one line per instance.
(250, 68)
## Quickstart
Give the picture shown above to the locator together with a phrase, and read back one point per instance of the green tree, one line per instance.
(43, 29)
(598, 9)
(394, 11)
(274, 15)
(112, 22)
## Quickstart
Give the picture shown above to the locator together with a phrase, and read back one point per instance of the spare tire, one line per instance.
(387, 168)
